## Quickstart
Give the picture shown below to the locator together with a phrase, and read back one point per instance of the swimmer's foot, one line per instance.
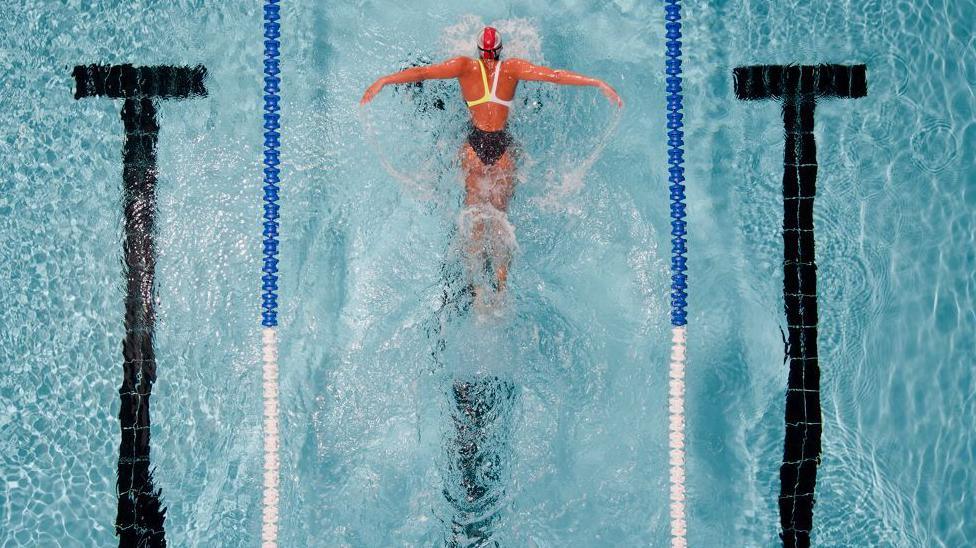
(490, 299)
(482, 302)
(502, 276)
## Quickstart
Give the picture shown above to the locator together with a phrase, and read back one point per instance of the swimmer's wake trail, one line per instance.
(480, 408)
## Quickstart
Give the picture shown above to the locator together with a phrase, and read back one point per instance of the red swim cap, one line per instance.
(490, 43)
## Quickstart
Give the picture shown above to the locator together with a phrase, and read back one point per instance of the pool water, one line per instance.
(380, 358)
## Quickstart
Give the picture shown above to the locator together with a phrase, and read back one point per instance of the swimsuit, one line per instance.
(489, 145)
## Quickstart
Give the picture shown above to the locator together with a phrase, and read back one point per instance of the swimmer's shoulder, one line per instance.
(462, 63)
(516, 66)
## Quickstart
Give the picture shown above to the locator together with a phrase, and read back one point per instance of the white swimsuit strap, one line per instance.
(494, 87)
(494, 84)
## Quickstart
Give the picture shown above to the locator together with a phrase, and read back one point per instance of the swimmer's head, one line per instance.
(490, 44)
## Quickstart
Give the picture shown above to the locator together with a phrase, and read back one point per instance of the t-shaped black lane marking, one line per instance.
(139, 521)
(798, 87)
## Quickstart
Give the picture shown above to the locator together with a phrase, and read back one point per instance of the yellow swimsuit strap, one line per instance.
(484, 78)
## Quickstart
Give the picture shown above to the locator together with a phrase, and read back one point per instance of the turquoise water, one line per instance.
(583, 337)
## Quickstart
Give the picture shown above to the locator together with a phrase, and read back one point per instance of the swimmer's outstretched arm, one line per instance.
(452, 68)
(525, 70)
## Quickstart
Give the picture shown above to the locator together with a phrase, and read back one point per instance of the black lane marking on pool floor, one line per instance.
(139, 521)
(798, 87)
(127, 81)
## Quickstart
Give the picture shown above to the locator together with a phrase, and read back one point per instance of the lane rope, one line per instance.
(679, 286)
(269, 280)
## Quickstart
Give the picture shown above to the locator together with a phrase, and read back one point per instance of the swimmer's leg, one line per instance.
(503, 186)
(475, 193)
(488, 186)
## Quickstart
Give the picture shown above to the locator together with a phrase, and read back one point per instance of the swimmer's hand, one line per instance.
(371, 91)
(611, 94)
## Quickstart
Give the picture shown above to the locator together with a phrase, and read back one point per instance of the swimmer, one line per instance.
(489, 169)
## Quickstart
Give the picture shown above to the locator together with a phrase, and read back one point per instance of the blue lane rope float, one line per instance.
(679, 285)
(676, 170)
(272, 141)
(269, 279)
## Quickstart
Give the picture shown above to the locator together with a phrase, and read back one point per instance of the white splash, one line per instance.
(484, 232)
(418, 185)
(568, 183)
(520, 38)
